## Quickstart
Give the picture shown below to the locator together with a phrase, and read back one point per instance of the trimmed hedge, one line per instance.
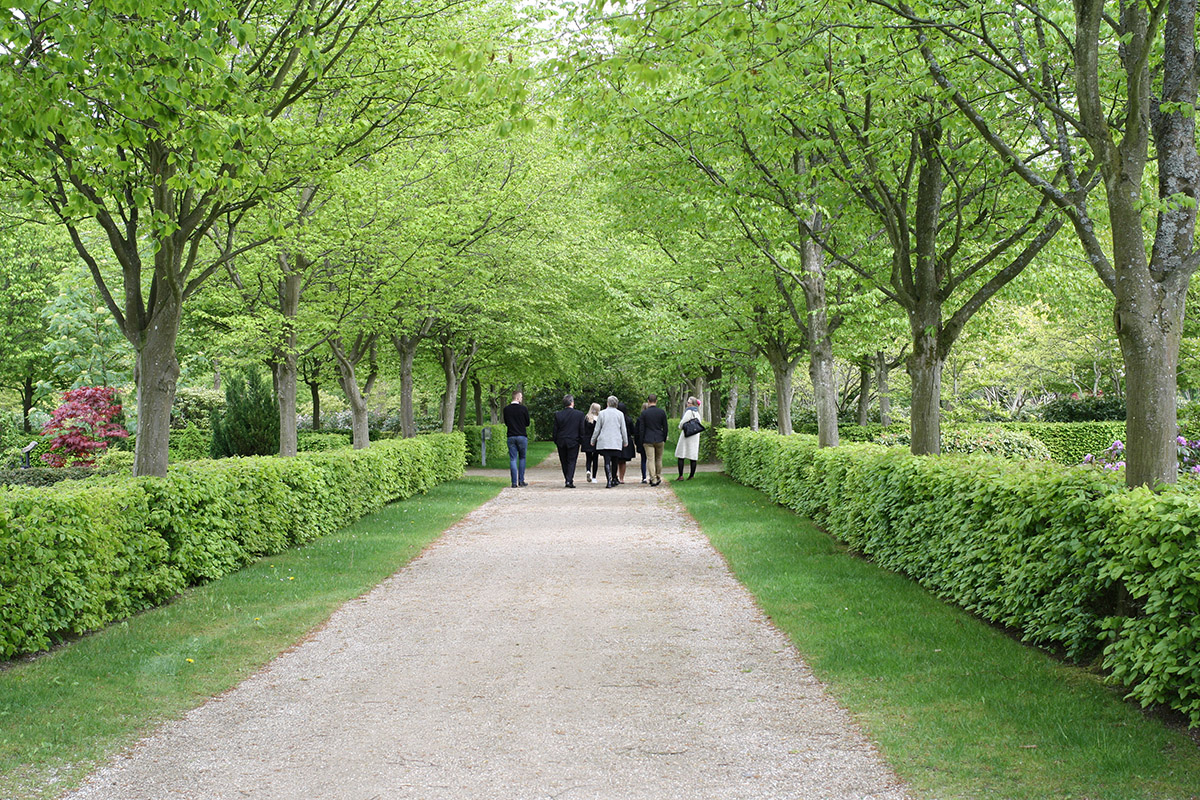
(1067, 557)
(318, 441)
(76, 557)
(987, 439)
(1069, 442)
(497, 446)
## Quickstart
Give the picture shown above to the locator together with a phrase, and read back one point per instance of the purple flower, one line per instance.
(1181, 440)
(1088, 458)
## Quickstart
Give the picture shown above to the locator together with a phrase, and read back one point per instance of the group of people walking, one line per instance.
(609, 433)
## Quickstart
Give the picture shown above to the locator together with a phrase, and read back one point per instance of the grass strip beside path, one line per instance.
(959, 709)
(63, 712)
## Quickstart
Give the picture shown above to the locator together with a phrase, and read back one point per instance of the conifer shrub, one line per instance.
(249, 423)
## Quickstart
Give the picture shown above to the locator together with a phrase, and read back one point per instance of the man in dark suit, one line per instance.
(568, 435)
(652, 432)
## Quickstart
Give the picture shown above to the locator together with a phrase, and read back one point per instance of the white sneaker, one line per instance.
(589, 477)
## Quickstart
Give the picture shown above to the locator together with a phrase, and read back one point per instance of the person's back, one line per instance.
(653, 425)
(516, 419)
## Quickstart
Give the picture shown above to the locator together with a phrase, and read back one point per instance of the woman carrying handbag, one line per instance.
(689, 438)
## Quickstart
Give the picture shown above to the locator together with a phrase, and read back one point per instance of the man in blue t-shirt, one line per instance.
(516, 419)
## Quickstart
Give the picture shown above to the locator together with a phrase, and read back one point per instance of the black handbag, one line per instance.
(692, 427)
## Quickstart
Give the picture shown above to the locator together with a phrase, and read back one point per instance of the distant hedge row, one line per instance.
(1068, 557)
(78, 556)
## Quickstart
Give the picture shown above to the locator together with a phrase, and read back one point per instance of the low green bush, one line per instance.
(43, 476)
(75, 557)
(1066, 556)
(317, 441)
(988, 439)
(1109, 408)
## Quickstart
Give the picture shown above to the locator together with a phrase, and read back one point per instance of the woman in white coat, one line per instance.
(689, 446)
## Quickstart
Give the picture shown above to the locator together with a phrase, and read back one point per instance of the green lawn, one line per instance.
(62, 712)
(959, 708)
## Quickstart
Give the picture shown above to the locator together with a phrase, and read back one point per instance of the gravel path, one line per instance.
(557, 643)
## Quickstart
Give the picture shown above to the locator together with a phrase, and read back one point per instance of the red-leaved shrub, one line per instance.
(82, 426)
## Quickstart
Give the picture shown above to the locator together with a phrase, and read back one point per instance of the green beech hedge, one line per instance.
(78, 556)
(1066, 556)
(1069, 442)
(497, 446)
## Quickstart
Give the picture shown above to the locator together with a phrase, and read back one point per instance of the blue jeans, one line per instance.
(517, 446)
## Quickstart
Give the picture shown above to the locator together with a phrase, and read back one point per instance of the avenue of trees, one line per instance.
(858, 211)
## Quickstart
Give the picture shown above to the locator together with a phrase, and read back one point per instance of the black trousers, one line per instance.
(591, 461)
(568, 454)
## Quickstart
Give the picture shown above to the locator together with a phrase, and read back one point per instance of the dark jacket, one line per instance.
(588, 429)
(516, 418)
(630, 451)
(652, 426)
(568, 427)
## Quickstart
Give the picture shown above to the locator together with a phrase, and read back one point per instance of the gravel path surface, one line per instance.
(557, 643)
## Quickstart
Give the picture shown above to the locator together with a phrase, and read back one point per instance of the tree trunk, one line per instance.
(463, 388)
(347, 363)
(216, 375)
(1151, 350)
(752, 374)
(676, 395)
(478, 389)
(885, 393)
(731, 407)
(284, 367)
(493, 404)
(314, 389)
(925, 369)
(449, 360)
(157, 374)
(27, 394)
(285, 392)
(819, 335)
(698, 390)
(864, 393)
(406, 347)
(784, 372)
(712, 394)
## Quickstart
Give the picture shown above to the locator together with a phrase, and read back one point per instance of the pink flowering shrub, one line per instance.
(83, 426)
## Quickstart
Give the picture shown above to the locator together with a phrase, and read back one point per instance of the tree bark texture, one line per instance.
(347, 364)
(882, 368)
(864, 393)
(406, 348)
(157, 375)
(285, 357)
(752, 376)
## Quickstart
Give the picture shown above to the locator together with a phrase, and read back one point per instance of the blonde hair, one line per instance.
(593, 412)
(693, 401)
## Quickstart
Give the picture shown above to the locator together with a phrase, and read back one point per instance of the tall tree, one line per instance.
(1120, 78)
(157, 126)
